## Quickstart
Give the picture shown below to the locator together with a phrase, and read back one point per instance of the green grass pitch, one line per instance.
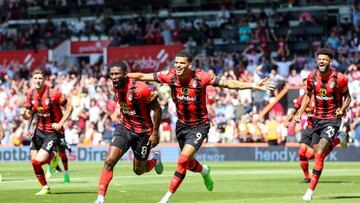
(234, 182)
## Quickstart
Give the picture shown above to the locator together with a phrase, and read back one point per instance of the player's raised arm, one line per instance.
(264, 84)
(142, 76)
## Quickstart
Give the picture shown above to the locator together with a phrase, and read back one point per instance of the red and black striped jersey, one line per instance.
(47, 106)
(189, 96)
(134, 100)
(309, 109)
(328, 91)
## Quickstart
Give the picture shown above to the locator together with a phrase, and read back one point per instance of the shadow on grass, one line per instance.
(346, 197)
(333, 181)
(73, 193)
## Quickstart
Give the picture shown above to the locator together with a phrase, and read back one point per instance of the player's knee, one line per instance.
(109, 164)
(138, 171)
(183, 160)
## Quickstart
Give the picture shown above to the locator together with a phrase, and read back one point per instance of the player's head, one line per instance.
(183, 61)
(118, 73)
(38, 78)
(324, 59)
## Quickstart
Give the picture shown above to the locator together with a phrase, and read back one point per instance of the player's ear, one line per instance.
(190, 66)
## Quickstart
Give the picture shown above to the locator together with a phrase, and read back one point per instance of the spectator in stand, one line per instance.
(283, 66)
(244, 31)
(294, 78)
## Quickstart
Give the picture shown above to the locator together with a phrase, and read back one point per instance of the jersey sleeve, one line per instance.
(59, 98)
(210, 79)
(343, 83)
(298, 102)
(164, 76)
(28, 104)
(146, 94)
(309, 82)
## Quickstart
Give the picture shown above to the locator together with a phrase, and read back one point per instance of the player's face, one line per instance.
(38, 81)
(181, 64)
(323, 62)
(118, 77)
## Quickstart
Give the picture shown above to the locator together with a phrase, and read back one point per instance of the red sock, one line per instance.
(64, 160)
(39, 171)
(335, 142)
(150, 164)
(51, 156)
(319, 164)
(303, 161)
(179, 173)
(194, 166)
(105, 179)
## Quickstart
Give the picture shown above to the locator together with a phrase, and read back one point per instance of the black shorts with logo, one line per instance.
(327, 129)
(124, 139)
(306, 136)
(192, 135)
(45, 141)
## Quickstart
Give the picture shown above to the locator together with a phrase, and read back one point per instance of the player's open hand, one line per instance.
(153, 140)
(339, 113)
(287, 124)
(56, 126)
(265, 84)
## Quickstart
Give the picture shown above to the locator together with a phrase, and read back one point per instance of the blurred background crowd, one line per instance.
(246, 46)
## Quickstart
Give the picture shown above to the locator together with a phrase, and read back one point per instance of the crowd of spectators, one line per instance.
(234, 115)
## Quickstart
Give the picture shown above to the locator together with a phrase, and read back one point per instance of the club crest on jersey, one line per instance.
(194, 84)
(332, 85)
(130, 97)
(185, 91)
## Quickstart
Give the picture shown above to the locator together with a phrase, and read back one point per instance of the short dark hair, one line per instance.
(37, 71)
(325, 51)
(186, 54)
(122, 65)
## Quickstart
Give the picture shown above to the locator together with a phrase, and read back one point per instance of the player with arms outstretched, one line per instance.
(188, 91)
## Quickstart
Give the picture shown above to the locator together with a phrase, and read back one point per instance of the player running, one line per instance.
(135, 130)
(46, 103)
(188, 91)
(332, 98)
(308, 140)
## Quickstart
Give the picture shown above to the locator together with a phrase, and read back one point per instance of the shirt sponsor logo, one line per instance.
(323, 92)
(185, 91)
(124, 109)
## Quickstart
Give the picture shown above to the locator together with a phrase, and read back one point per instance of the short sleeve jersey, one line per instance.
(134, 100)
(47, 106)
(189, 96)
(328, 91)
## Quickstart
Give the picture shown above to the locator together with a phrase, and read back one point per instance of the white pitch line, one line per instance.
(329, 172)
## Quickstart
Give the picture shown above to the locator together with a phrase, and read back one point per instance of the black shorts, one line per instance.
(124, 139)
(62, 146)
(327, 129)
(192, 135)
(306, 136)
(45, 141)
